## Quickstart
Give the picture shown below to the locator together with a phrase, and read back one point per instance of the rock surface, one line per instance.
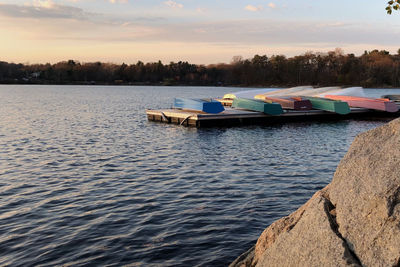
(354, 221)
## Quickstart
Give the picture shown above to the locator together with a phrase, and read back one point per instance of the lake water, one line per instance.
(86, 180)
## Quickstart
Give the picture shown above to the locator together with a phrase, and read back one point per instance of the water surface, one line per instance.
(85, 179)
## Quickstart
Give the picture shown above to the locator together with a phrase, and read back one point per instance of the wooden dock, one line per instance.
(231, 117)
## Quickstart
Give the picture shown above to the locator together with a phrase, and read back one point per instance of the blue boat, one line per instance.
(204, 105)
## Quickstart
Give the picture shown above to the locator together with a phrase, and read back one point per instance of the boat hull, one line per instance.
(288, 102)
(207, 106)
(247, 93)
(257, 105)
(364, 102)
(286, 91)
(329, 105)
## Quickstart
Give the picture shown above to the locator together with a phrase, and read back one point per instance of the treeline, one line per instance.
(372, 69)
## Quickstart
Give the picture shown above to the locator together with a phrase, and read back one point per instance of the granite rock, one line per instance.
(366, 193)
(354, 221)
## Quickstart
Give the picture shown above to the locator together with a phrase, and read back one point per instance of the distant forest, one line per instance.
(372, 69)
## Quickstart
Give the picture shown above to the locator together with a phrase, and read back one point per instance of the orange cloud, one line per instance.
(253, 8)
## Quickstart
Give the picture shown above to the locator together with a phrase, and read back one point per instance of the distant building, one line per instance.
(35, 75)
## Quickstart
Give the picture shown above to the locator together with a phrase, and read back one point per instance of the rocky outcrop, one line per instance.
(354, 221)
(366, 193)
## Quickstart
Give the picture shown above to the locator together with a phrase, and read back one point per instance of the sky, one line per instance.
(201, 32)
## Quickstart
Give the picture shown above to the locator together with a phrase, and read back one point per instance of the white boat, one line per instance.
(350, 91)
(287, 91)
(250, 94)
(317, 91)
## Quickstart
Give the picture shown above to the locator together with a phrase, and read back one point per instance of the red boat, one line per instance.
(287, 102)
(365, 102)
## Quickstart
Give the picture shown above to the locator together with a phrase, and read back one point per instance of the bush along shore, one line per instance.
(371, 69)
(354, 221)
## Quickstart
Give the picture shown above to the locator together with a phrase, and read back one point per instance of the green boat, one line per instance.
(336, 106)
(257, 105)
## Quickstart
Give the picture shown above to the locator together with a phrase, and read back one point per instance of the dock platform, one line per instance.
(231, 117)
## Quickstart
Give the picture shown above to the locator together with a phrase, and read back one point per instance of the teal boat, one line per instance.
(203, 105)
(336, 106)
(257, 105)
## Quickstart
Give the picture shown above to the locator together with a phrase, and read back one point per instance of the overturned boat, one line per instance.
(257, 105)
(202, 105)
(295, 103)
(335, 106)
(365, 102)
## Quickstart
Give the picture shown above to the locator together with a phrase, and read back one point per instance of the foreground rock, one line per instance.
(354, 221)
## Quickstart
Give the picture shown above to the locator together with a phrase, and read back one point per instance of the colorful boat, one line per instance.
(227, 99)
(250, 94)
(247, 93)
(319, 90)
(336, 106)
(257, 105)
(203, 105)
(365, 102)
(226, 102)
(287, 102)
(287, 91)
(349, 91)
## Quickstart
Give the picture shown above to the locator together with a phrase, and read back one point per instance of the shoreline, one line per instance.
(193, 85)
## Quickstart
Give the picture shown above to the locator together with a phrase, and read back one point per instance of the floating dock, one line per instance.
(231, 117)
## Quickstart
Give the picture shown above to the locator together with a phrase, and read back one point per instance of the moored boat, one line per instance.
(336, 106)
(349, 91)
(203, 105)
(226, 102)
(257, 105)
(287, 91)
(287, 102)
(250, 94)
(319, 90)
(247, 93)
(365, 102)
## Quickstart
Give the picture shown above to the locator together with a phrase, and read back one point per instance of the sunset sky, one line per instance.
(202, 32)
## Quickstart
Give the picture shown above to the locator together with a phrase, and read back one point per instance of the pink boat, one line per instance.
(365, 102)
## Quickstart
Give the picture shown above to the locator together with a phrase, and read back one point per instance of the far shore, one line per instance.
(189, 85)
(373, 69)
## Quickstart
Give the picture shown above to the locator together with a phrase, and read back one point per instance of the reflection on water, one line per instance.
(85, 179)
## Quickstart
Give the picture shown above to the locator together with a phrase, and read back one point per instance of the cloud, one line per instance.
(271, 5)
(271, 32)
(49, 20)
(201, 10)
(203, 42)
(58, 24)
(43, 4)
(253, 8)
(49, 10)
(43, 9)
(173, 4)
(118, 1)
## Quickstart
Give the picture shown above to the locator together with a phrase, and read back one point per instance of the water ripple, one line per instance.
(86, 180)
